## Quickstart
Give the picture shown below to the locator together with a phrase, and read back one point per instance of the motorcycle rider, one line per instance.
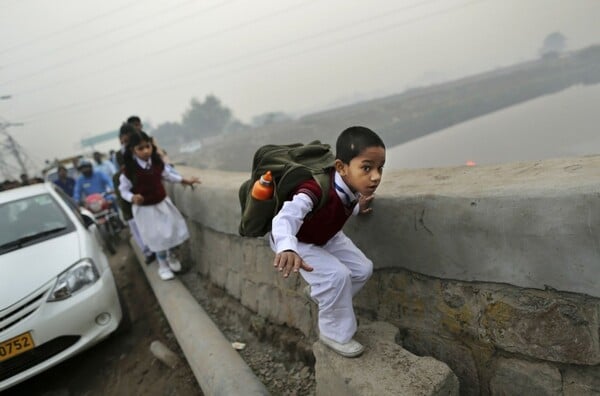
(91, 182)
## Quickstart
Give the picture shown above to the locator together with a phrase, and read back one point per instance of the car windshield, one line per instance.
(30, 220)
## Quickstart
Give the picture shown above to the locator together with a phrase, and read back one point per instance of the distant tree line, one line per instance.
(204, 120)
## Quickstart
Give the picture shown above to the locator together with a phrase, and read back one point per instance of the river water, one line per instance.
(563, 124)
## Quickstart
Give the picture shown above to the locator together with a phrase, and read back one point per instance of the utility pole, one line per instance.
(14, 149)
(12, 146)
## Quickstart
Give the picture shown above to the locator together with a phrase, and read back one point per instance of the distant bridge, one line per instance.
(103, 137)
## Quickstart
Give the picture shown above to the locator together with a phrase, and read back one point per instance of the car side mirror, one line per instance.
(88, 217)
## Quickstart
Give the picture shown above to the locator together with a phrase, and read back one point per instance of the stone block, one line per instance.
(581, 380)
(456, 355)
(249, 295)
(270, 302)
(519, 377)
(417, 302)
(233, 284)
(385, 368)
(543, 326)
(235, 255)
(249, 248)
(261, 270)
(295, 311)
(197, 248)
(367, 298)
(218, 274)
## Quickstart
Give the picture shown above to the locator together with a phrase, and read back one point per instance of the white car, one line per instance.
(57, 292)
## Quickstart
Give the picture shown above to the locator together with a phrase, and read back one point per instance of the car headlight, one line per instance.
(82, 274)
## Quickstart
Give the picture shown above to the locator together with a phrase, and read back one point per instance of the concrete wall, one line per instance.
(493, 270)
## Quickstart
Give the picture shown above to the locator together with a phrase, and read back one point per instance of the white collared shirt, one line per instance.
(125, 184)
(288, 221)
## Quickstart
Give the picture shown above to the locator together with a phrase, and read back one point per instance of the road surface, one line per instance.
(123, 363)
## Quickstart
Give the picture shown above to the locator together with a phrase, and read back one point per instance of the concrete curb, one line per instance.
(219, 369)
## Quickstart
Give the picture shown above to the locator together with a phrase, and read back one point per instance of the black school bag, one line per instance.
(289, 165)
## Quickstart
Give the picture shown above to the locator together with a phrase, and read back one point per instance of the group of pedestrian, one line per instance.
(305, 238)
(85, 177)
(135, 173)
(25, 180)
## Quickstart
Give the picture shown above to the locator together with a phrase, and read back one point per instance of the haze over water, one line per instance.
(564, 124)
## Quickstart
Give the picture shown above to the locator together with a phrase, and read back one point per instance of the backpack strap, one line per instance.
(324, 181)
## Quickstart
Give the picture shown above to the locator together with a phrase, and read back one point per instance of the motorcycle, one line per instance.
(107, 219)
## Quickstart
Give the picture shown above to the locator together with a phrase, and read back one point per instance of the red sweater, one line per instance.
(148, 183)
(320, 226)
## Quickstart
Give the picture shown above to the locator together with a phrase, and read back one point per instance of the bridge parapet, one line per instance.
(492, 270)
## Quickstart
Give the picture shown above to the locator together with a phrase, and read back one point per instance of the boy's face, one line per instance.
(363, 173)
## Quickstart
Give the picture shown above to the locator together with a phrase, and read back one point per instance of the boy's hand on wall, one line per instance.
(364, 203)
(289, 261)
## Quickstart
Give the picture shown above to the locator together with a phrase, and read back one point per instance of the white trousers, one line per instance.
(340, 271)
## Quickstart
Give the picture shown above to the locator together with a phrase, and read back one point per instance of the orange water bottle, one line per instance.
(263, 187)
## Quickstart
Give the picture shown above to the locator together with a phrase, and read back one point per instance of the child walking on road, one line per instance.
(314, 244)
(125, 131)
(159, 222)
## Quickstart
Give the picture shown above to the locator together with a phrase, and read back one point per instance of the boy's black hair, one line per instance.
(126, 129)
(353, 141)
(133, 119)
(135, 139)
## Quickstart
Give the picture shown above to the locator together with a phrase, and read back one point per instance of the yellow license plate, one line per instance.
(15, 346)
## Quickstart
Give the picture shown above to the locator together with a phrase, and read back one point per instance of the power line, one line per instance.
(66, 29)
(323, 46)
(153, 89)
(10, 3)
(113, 45)
(103, 33)
(217, 33)
(128, 62)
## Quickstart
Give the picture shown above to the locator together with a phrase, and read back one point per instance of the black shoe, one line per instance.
(150, 258)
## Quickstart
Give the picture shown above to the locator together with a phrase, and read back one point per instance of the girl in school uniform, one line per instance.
(159, 222)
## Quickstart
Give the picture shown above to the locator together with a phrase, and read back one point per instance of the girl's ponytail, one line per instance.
(128, 160)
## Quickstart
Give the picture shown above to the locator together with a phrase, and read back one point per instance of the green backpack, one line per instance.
(290, 165)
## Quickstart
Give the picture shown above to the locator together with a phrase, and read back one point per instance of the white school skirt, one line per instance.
(161, 226)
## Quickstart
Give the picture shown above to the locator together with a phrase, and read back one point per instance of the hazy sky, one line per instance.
(77, 68)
